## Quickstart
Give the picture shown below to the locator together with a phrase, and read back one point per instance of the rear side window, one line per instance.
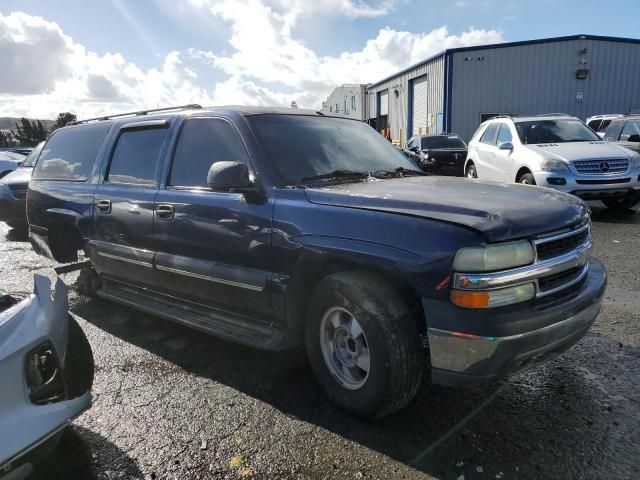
(70, 154)
(202, 142)
(613, 130)
(595, 125)
(135, 158)
(489, 135)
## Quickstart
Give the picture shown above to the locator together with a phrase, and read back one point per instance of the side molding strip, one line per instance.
(210, 279)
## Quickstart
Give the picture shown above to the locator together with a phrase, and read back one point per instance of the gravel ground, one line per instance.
(173, 403)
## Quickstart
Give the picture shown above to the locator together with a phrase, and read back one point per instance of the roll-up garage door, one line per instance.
(419, 114)
(384, 104)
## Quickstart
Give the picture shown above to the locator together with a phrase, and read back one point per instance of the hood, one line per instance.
(500, 212)
(571, 151)
(18, 176)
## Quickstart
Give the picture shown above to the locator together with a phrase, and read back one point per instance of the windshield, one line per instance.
(442, 142)
(31, 159)
(554, 131)
(304, 147)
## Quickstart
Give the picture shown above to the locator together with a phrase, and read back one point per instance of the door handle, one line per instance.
(104, 206)
(165, 212)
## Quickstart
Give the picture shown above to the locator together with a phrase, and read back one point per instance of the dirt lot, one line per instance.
(173, 403)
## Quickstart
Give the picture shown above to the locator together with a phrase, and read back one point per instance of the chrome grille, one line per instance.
(601, 167)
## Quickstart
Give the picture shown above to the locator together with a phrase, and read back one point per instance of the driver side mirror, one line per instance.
(232, 177)
(506, 146)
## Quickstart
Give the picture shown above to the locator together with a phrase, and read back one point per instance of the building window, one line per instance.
(331, 109)
(353, 102)
(337, 110)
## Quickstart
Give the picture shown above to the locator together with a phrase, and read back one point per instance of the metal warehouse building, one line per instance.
(454, 91)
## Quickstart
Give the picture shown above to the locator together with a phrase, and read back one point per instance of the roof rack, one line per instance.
(553, 115)
(137, 114)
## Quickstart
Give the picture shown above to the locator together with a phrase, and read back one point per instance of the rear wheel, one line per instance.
(527, 179)
(621, 203)
(471, 171)
(363, 345)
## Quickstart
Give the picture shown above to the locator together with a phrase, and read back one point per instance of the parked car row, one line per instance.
(556, 151)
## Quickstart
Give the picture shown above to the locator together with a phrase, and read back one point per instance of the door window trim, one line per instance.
(138, 126)
(164, 183)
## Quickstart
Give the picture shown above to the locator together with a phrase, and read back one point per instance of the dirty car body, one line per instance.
(46, 369)
(296, 241)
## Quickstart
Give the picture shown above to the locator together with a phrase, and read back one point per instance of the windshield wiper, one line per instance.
(340, 174)
(398, 172)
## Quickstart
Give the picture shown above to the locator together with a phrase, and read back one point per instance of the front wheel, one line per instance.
(471, 171)
(621, 203)
(363, 345)
(527, 179)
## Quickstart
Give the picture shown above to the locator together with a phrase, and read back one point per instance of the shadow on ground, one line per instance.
(608, 215)
(83, 454)
(565, 419)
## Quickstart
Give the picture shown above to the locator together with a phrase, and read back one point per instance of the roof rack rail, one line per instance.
(502, 116)
(556, 114)
(138, 113)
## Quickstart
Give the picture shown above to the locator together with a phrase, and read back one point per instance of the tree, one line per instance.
(29, 134)
(63, 119)
(6, 139)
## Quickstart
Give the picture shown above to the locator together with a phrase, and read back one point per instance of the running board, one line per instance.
(222, 324)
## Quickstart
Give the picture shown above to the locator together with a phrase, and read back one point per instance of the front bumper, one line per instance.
(472, 346)
(592, 187)
(28, 428)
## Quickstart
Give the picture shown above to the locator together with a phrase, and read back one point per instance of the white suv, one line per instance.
(556, 151)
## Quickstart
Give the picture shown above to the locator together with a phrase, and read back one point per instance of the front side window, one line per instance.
(135, 157)
(631, 130)
(554, 131)
(300, 147)
(71, 153)
(504, 134)
(202, 142)
(489, 135)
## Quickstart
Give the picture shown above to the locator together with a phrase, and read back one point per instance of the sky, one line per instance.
(108, 56)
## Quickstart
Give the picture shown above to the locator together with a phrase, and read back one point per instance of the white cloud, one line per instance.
(264, 49)
(48, 72)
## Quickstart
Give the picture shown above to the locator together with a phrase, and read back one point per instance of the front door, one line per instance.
(122, 248)
(502, 158)
(212, 248)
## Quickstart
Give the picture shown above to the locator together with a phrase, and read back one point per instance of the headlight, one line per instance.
(493, 257)
(551, 165)
(635, 161)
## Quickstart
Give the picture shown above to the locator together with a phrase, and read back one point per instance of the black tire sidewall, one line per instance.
(373, 396)
(532, 180)
(471, 167)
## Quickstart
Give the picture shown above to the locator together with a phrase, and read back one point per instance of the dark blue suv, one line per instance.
(283, 228)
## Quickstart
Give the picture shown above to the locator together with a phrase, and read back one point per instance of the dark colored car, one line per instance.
(9, 161)
(13, 191)
(625, 131)
(442, 154)
(283, 228)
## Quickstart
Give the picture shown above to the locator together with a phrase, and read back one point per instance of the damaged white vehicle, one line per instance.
(46, 373)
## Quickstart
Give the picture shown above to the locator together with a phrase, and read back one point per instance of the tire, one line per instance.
(621, 203)
(88, 282)
(527, 179)
(389, 333)
(471, 171)
(78, 365)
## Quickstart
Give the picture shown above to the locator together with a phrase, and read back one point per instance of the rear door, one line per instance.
(213, 248)
(122, 248)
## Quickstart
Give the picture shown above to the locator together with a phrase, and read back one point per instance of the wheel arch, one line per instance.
(521, 171)
(64, 234)
(315, 264)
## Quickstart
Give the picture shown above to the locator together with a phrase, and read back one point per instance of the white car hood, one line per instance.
(571, 151)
